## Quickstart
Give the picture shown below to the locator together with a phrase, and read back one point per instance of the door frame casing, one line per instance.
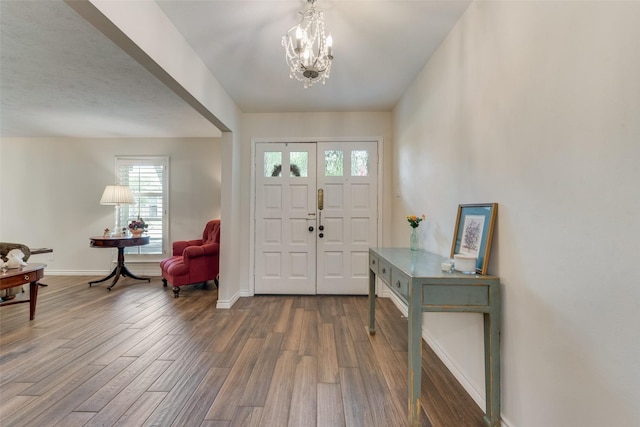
(252, 223)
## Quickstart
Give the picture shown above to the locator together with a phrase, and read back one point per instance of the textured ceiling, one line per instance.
(59, 76)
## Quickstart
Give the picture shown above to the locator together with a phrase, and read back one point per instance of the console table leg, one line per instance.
(492, 361)
(372, 303)
(415, 356)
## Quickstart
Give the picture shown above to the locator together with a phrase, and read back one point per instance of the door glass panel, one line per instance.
(333, 163)
(272, 163)
(299, 161)
(359, 163)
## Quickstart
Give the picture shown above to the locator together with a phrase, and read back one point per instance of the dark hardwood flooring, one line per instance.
(136, 356)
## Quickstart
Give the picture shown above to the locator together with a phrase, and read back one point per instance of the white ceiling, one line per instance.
(59, 76)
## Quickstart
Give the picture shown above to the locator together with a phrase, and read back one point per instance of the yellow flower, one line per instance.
(414, 221)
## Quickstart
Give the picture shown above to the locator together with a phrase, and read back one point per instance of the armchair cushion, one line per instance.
(193, 261)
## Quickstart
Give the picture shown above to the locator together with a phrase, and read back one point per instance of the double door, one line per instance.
(316, 217)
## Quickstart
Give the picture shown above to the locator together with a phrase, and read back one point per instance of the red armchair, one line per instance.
(194, 261)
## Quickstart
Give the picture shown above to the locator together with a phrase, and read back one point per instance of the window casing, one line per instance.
(148, 178)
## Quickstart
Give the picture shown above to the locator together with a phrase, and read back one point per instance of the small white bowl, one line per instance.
(465, 263)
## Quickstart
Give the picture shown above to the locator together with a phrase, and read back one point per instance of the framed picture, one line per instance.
(474, 231)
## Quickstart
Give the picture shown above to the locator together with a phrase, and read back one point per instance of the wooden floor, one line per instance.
(135, 356)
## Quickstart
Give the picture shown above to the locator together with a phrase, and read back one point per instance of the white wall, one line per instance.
(306, 125)
(50, 191)
(535, 105)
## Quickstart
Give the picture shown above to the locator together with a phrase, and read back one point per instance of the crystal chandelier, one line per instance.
(308, 51)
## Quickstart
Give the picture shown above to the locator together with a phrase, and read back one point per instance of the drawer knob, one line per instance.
(26, 277)
(384, 270)
(373, 262)
(398, 283)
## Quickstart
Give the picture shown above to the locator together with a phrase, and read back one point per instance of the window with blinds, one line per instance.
(148, 179)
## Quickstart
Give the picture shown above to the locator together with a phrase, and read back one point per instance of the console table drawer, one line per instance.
(455, 295)
(384, 271)
(373, 263)
(400, 283)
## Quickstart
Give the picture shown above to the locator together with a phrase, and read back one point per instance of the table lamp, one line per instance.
(117, 195)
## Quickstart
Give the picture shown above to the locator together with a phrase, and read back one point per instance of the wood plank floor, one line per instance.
(136, 356)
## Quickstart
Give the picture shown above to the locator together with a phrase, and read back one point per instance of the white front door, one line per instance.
(347, 176)
(315, 218)
(285, 248)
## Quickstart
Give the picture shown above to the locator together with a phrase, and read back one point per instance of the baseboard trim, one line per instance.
(48, 272)
(139, 269)
(227, 304)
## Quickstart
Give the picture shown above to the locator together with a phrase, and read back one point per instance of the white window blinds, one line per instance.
(147, 177)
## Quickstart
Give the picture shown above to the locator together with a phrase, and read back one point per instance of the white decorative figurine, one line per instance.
(14, 259)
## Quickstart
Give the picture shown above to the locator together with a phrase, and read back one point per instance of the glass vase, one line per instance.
(413, 239)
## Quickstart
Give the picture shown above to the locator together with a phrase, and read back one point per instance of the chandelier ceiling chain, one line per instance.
(308, 51)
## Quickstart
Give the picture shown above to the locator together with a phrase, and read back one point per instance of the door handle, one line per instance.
(320, 199)
(311, 228)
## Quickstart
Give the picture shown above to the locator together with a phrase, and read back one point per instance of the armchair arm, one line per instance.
(192, 252)
(180, 245)
(5, 247)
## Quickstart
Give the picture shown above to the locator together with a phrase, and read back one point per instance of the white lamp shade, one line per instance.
(117, 195)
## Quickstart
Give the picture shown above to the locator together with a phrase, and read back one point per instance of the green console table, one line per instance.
(416, 278)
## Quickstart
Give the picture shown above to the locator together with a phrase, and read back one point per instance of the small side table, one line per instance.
(120, 243)
(30, 273)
